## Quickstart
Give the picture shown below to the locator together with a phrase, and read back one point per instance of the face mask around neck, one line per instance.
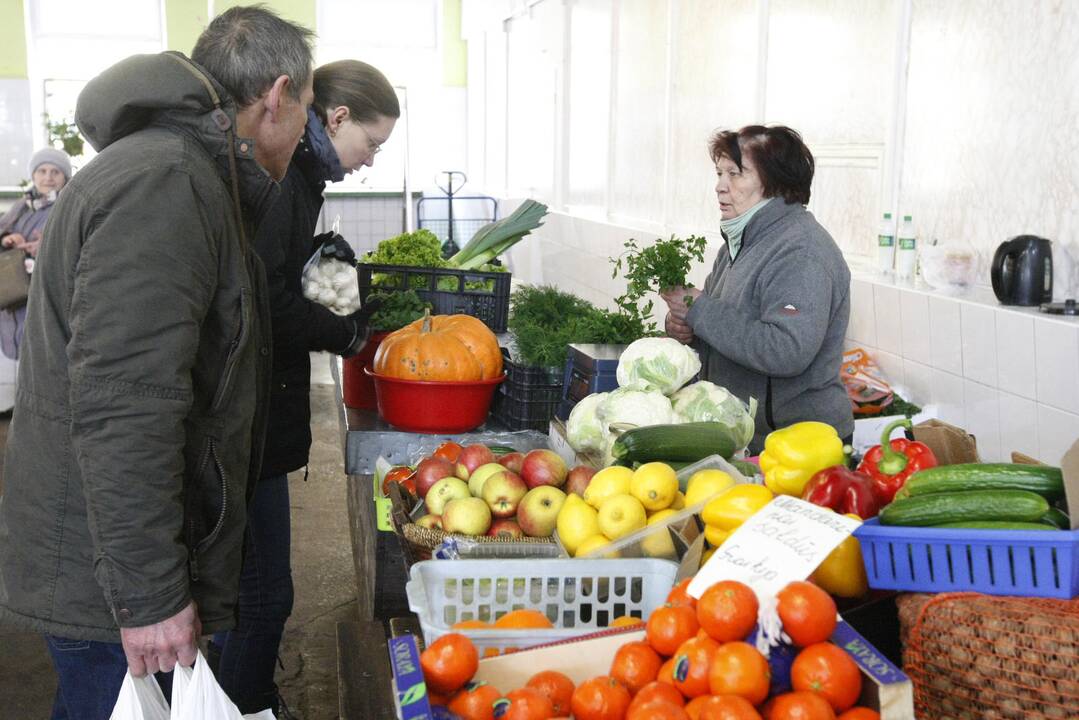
(734, 227)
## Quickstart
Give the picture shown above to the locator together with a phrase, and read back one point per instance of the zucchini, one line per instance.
(1057, 518)
(1017, 505)
(996, 525)
(686, 442)
(1042, 479)
(748, 469)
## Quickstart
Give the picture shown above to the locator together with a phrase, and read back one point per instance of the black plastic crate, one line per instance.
(531, 375)
(523, 415)
(491, 303)
(531, 393)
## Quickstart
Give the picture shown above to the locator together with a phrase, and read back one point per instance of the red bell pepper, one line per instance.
(843, 490)
(893, 461)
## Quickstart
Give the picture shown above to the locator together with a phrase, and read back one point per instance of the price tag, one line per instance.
(784, 541)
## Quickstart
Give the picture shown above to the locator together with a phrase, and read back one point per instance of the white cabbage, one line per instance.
(707, 402)
(661, 364)
(628, 406)
(585, 432)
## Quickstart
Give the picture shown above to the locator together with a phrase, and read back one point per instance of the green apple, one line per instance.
(479, 477)
(446, 489)
(468, 516)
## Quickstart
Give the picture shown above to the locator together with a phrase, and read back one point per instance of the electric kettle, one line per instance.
(1022, 271)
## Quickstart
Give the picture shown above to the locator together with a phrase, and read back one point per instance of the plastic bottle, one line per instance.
(907, 251)
(886, 245)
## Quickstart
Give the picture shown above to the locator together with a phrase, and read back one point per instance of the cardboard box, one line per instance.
(885, 688)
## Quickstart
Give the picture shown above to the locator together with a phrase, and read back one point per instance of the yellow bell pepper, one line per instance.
(843, 572)
(794, 454)
(734, 507)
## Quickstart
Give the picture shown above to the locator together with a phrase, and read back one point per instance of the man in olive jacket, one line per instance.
(142, 392)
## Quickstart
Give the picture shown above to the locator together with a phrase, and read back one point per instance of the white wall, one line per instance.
(958, 112)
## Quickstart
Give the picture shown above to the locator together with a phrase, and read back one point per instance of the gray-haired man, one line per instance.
(142, 389)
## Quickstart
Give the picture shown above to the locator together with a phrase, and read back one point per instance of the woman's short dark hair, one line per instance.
(782, 159)
(360, 87)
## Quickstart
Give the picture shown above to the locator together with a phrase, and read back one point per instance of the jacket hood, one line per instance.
(173, 90)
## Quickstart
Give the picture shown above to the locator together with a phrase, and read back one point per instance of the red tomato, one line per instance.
(670, 626)
(692, 662)
(860, 713)
(475, 701)
(738, 668)
(657, 690)
(557, 687)
(808, 613)
(727, 707)
(657, 710)
(728, 611)
(679, 596)
(402, 475)
(799, 705)
(524, 704)
(601, 698)
(829, 671)
(448, 450)
(449, 662)
(635, 665)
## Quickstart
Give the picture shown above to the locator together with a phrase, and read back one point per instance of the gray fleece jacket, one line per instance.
(771, 324)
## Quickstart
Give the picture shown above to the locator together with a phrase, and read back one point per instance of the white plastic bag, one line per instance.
(195, 696)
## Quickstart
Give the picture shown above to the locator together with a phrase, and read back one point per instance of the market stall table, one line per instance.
(377, 558)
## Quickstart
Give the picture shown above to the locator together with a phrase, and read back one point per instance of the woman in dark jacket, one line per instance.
(21, 227)
(353, 114)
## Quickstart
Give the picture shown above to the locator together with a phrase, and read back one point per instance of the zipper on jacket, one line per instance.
(193, 559)
(768, 406)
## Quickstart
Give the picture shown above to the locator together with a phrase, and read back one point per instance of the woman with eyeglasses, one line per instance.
(353, 114)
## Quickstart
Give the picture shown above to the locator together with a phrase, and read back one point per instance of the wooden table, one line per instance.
(364, 679)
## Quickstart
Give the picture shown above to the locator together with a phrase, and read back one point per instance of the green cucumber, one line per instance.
(1016, 505)
(684, 442)
(748, 469)
(996, 525)
(1057, 518)
(1042, 479)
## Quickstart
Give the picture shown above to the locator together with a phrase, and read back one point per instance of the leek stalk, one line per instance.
(495, 238)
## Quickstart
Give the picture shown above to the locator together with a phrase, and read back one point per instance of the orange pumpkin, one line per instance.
(443, 348)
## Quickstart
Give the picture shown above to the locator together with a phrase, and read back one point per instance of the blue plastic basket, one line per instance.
(1032, 563)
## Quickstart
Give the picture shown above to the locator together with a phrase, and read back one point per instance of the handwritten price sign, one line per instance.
(786, 540)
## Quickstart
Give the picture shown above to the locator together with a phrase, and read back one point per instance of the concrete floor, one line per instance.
(322, 573)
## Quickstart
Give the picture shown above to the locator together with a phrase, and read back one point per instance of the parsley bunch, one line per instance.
(657, 267)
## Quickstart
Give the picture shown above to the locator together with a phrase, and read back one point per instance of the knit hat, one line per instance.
(52, 156)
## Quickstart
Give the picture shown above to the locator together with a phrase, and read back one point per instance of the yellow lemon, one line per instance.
(594, 543)
(658, 543)
(715, 536)
(577, 521)
(679, 501)
(620, 515)
(655, 484)
(609, 481)
(735, 506)
(704, 484)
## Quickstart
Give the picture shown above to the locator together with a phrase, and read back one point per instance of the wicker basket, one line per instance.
(418, 542)
(973, 656)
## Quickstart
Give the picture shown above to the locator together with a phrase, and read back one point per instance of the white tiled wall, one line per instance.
(1010, 376)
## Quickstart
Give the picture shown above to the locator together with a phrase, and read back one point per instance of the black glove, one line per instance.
(335, 246)
(362, 324)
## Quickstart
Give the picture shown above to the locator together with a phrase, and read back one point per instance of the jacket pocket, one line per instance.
(206, 505)
(235, 352)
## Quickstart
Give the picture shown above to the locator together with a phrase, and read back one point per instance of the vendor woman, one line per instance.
(771, 319)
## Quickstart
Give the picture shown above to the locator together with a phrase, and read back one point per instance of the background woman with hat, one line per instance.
(22, 225)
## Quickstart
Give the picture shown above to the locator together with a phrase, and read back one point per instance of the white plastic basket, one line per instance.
(577, 596)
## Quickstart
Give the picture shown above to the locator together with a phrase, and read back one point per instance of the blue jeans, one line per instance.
(89, 675)
(249, 653)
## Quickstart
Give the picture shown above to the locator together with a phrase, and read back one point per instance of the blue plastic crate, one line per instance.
(1032, 563)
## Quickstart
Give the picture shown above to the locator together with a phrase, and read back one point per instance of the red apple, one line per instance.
(543, 467)
(429, 471)
(537, 513)
(433, 522)
(506, 528)
(513, 461)
(471, 457)
(578, 478)
(503, 491)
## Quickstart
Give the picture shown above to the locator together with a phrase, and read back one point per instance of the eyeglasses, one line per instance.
(372, 147)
